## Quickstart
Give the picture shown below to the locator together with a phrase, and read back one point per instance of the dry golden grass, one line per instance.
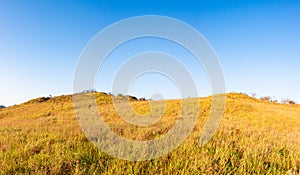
(43, 136)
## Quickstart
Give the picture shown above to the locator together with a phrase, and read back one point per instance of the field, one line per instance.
(42, 136)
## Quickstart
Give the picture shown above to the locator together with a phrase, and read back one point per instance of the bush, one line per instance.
(266, 98)
(288, 101)
(142, 99)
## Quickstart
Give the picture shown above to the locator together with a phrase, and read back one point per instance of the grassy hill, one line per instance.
(42, 136)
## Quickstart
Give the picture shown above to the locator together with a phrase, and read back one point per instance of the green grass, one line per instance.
(255, 137)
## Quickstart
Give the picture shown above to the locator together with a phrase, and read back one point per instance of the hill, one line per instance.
(1, 106)
(42, 136)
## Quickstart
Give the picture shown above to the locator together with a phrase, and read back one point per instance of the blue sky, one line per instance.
(257, 43)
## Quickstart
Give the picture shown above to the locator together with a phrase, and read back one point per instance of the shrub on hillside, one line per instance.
(266, 98)
(142, 99)
(288, 101)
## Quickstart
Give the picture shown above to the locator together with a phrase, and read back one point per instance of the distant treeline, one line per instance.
(119, 95)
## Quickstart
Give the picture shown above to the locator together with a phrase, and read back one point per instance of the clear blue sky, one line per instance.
(258, 43)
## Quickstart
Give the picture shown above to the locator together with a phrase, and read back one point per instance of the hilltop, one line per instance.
(255, 136)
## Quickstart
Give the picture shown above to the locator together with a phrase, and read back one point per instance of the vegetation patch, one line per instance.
(255, 136)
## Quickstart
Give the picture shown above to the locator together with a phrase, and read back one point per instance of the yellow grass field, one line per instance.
(43, 136)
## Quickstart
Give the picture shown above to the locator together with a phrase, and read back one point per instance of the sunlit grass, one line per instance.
(255, 137)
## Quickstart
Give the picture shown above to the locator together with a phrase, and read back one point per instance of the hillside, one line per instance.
(43, 136)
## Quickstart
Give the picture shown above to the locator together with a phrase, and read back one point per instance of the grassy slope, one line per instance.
(254, 137)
